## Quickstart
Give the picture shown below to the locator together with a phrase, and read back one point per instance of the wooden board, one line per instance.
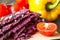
(38, 36)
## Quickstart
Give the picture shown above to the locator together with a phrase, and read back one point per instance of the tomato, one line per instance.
(20, 4)
(9, 9)
(23, 3)
(3, 10)
(16, 7)
(47, 29)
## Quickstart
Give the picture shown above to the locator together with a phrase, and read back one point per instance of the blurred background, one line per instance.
(7, 1)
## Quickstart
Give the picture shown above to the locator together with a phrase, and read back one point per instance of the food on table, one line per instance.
(49, 9)
(20, 23)
(17, 24)
(47, 29)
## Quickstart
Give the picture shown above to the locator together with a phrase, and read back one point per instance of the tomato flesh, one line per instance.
(41, 26)
(50, 30)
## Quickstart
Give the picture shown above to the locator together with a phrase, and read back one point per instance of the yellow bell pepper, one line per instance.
(49, 9)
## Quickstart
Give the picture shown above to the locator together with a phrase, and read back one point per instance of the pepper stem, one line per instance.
(52, 6)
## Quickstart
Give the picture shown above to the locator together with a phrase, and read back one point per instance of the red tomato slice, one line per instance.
(47, 30)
